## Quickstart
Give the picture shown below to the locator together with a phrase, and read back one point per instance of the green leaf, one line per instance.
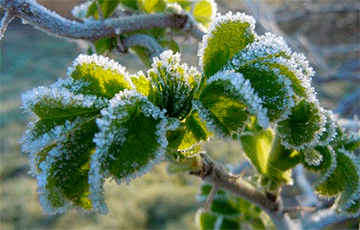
(187, 139)
(58, 108)
(204, 11)
(173, 85)
(274, 54)
(329, 133)
(303, 127)
(279, 165)
(227, 35)
(104, 76)
(256, 143)
(272, 88)
(105, 44)
(227, 101)
(142, 83)
(147, 6)
(325, 165)
(228, 211)
(131, 140)
(345, 179)
(107, 8)
(64, 173)
(143, 54)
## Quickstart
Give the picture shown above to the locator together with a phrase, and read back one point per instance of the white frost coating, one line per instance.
(34, 145)
(325, 174)
(204, 115)
(218, 222)
(313, 157)
(103, 62)
(315, 141)
(110, 132)
(264, 46)
(174, 8)
(356, 194)
(80, 11)
(42, 182)
(57, 96)
(241, 89)
(218, 20)
(331, 130)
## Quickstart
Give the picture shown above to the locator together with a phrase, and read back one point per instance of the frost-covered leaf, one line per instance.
(256, 143)
(227, 35)
(303, 127)
(325, 166)
(272, 53)
(63, 176)
(227, 102)
(346, 139)
(204, 11)
(60, 142)
(186, 139)
(344, 180)
(329, 133)
(57, 108)
(173, 85)
(104, 76)
(142, 83)
(273, 88)
(131, 140)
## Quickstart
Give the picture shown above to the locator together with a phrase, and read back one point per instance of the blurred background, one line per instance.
(327, 31)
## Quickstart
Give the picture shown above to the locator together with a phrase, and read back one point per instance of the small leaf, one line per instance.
(147, 6)
(187, 139)
(345, 180)
(303, 127)
(131, 140)
(204, 11)
(142, 83)
(173, 84)
(256, 143)
(272, 88)
(105, 44)
(330, 129)
(143, 54)
(107, 8)
(226, 36)
(104, 76)
(271, 51)
(227, 101)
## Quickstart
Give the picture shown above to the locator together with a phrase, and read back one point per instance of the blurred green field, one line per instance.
(30, 58)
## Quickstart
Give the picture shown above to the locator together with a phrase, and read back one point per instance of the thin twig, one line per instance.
(51, 22)
(8, 17)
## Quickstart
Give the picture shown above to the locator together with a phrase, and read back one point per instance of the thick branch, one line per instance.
(51, 22)
(217, 175)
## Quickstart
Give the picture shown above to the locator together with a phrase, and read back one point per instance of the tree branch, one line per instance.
(51, 22)
(322, 219)
(214, 173)
(154, 48)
